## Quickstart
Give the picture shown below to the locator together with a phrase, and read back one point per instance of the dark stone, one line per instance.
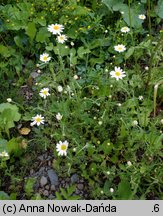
(53, 177)
(74, 178)
(80, 186)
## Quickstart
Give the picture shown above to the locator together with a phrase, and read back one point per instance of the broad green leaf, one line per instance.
(3, 146)
(159, 9)
(106, 187)
(43, 35)
(111, 3)
(82, 51)
(80, 11)
(4, 196)
(61, 50)
(129, 52)
(13, 146)
(124, 189)
(5, 51)
(18, 41)
(50, 47)
(31, 30)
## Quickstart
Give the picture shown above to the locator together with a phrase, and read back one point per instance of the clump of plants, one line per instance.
(91, 75)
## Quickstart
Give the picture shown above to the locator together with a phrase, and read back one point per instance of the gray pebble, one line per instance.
(53, 188)
(74, 178)
(46, 193)
(77, 192)
(80, 186)
(47, 187)
(53, 177)
(43, 181)
(41, 157)
(51, 196)
(41, 170)
(31, 171)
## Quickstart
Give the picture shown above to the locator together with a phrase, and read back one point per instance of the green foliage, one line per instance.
(29, 183)
(114, 127)
(67, 194)
(4, 196)
(9, 114)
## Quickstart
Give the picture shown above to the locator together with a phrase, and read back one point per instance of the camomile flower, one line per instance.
(4, 154)
(129, 163)
(61, 148)
(55, 29)
(125, 29)
(37, 120)
(134, 123)
(118, 73)
(44, 92)
(9, 100)
(140, 98)
(111, 190)
(60, 88)
(142, 17)
(120, 48)
(45, 57)
(59, 116)
(61, 38)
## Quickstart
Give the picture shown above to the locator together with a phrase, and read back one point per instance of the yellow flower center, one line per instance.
(117, 73)
(38, 119)
(3, 154)
(119, 48)
(63, 147)
(45, 58)
(45, 92)
(56, 27)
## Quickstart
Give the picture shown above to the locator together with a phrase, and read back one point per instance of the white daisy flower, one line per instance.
(44, 92)
(61, 148)
(55, 29)
(134, 123)
(59, 116)
(146, 68)
(125, 29)
(60, 88)
(111, 190)
(76, 77)
(140, 98)
(129, 163)
(120, 48)
(72, 43)
(9, 100)
(118, 73)
(38, 119)
(100, 122)
(61, 38)
(45, 57)
(142, 17)
(161, 121)
(4, 154)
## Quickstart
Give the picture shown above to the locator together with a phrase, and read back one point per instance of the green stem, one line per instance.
(149, 18)
(155, 96)
(130, 20)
